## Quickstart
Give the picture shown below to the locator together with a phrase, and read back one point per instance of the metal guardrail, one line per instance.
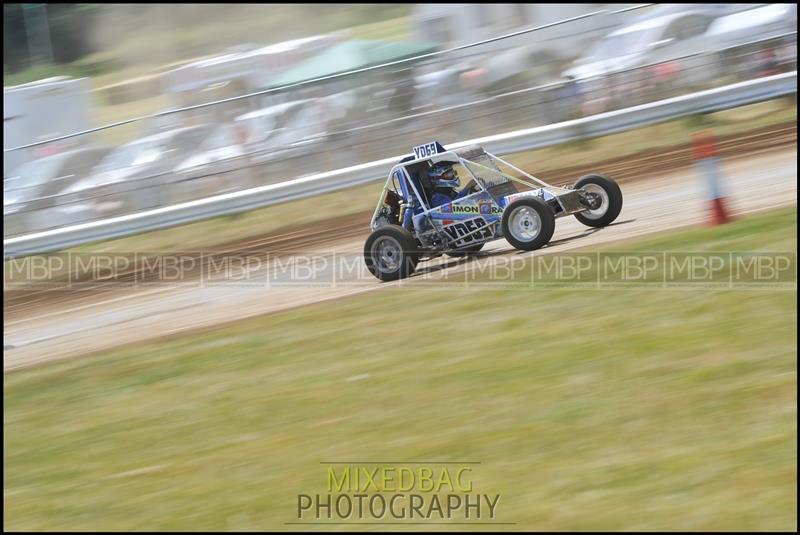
(717, 99)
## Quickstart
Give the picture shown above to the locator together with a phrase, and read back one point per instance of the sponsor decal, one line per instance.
(447, 209)
(464, 233)
(465, 209)
(485, 208)
(489, 208)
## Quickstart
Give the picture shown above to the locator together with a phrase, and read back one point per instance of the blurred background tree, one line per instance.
(46, 33)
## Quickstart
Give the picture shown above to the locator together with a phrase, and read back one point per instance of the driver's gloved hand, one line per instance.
(463, 193)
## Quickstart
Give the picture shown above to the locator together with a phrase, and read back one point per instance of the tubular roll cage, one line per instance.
(462, 155)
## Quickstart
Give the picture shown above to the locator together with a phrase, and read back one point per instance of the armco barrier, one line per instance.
(717, 99)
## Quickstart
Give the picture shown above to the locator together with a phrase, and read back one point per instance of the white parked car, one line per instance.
(128, 178)
(287, 130)
(647, 42)
(761, 23)
(34, 188)
(680, 35)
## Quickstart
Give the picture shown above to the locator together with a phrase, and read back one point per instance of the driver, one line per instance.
(445, 183)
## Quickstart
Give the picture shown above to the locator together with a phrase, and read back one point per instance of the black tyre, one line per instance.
(611, 200)
(528, 223)
(391, 253)
(466, 251)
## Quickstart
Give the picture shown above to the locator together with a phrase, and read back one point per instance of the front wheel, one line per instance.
(391, 253)
(528, 223)
(606, 198)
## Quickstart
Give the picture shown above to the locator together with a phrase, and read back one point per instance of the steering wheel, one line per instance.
(472, 186)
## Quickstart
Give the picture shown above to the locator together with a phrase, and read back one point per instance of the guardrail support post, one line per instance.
(706, 157)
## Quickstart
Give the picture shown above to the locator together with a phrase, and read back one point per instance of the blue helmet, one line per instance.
(442, 175)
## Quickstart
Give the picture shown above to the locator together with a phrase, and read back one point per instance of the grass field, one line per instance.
(607, 410)
(363, 198)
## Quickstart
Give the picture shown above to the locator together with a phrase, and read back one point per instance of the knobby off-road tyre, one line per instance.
(391, 253)
(610, 206)
(528, 223)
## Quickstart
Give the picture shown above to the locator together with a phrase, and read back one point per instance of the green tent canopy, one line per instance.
(349, 56)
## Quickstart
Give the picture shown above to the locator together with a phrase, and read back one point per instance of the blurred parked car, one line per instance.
(276, 135)
(757, 40)
(219, 164)
(34, 186)
(440, 87)
(133, 176)
(268, 127)
(681, 48)
(649, 41)
(682, 34)
(717, 10)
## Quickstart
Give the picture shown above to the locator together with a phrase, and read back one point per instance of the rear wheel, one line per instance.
(528, 223)
(607, 191)
(391, 253)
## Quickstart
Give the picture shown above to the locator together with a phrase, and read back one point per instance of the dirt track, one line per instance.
(41, 327)
(22, 302)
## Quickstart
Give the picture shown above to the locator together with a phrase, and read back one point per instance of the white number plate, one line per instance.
(424, 151)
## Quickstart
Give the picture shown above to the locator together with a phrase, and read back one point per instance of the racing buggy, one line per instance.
(411, 223)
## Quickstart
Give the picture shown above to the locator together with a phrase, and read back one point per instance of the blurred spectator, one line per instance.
(403, 97)
(570, 98)
(46, 150)
(765, 62)
(665, 76)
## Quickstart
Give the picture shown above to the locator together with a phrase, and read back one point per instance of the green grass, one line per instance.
(631, 409)
(362, 199)
(78, 69)
(769, 232)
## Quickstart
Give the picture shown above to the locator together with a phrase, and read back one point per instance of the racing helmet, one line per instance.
(442, 175)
